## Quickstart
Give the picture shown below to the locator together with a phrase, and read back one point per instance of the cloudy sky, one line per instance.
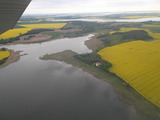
(80, 6)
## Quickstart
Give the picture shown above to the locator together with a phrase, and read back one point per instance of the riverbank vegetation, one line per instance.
(93, 59)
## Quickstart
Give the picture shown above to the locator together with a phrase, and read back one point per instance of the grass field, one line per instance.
(4, 54)
(52, 25)
(138, 64)
(14, 33)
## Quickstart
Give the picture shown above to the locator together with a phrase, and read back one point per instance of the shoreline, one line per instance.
(145, 110)
(94, 44)
(99, 45)
(43, 37)
(127, 94)
(15, 56)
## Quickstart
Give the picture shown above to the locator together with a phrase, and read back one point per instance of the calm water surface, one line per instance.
(114, 20)
(33, 89)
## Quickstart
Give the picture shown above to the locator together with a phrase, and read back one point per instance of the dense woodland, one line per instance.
(3, 61)
(135, 35)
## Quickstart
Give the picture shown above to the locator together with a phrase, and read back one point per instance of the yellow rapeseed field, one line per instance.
(4, 54)
(136, 17)
(137, 63)
(52, 25)
(14, 33)
(154, 35)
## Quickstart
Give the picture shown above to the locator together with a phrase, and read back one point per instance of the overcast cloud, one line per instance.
(80, 6)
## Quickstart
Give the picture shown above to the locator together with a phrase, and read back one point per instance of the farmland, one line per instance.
(27, 29)
(14, 33)
(52, 25)
(4, 54)
(137, 63)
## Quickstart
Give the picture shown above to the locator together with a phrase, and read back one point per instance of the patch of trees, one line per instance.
(29, 37)
(5, 41)
(105, 39)
(135, 34)
(78, 33)
(87, 27)
(102, 36)
(129, 25)
(3, 49)
(3, 61)
(122, 37)
(93, 59)
(37, 31)
(18, 26)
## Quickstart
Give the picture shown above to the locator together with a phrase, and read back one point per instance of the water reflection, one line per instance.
(33, 89)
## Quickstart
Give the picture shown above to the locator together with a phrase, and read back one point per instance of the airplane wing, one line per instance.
(10, 12)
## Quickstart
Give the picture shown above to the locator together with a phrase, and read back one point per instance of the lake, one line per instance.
(114, 20)
(33, 89)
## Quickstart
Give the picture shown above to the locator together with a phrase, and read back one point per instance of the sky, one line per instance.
(81, 6)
